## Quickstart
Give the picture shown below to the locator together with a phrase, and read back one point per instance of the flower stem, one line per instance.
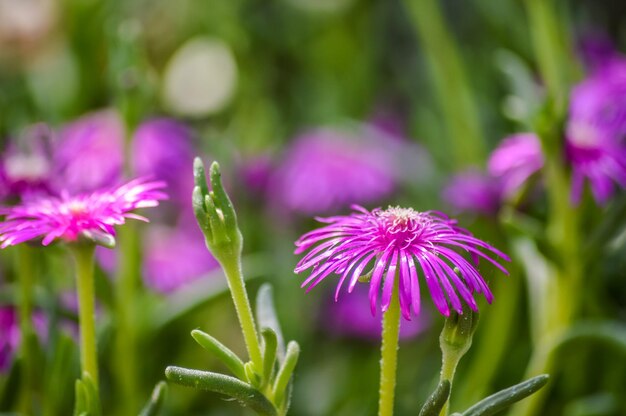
(389, 355)
(237, 287)
(126, 361)
(83, 257)
(26, 273)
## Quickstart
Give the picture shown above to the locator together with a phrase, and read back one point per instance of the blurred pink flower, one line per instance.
(516, 159)
(90, 153)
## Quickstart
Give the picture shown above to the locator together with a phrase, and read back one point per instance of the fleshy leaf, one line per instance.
(437, 400)
(221, 352)
(285, 372)
(267, 317)
(270, 344)
(505, 398)
(244, 393)
(154, 404)
(86, 402)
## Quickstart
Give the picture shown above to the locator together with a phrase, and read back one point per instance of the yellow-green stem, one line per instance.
(237, 286)
(26, 278)
(83, 258)
(126, 283)
(449, 362)
(389, 355)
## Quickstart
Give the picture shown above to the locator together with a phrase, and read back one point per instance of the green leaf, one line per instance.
(270, 344)
(505, 398)
(154, 404)
(285, 372)
(267, 317)
(609, 332)
(437, 400)
(244, 393)
(221, 352)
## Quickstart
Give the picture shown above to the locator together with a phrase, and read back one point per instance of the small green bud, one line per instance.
(456, 339)
(458, 331)
(215, 213)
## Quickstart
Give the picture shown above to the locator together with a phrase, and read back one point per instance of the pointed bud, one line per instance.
(215, 213)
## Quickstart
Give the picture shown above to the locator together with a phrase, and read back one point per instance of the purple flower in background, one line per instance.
(345, 318)
(70, 217)
(473, 191)
(398, 243)
(9, 336)
(174, 257)
(10, 333)
(25, 169)
(90, 153)
(596, 132)
(324, 170)
(256, 172)
(597, 50)
(516, 159)
(162, 149)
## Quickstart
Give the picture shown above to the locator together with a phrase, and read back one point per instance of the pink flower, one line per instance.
(596, 132)
(325, 170)
(90, 153)
(397, 243)
(175, 257)
(516, 159)
(91, 215)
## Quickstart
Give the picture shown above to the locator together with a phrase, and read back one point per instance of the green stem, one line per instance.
(448, 369)
(558, 69)
(126, 359)
(389, 355)
(451, 86)
(83, 257)
(237, 287)
(26, 277)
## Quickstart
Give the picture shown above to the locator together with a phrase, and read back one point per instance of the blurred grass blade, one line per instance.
(437, 400)
(223, 353)
(245, 394)
(505, 398)
(154, 404)
(285, 372)
(610, 332)
(270, 344)
(267, 318)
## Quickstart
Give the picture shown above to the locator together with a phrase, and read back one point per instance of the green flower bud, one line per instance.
(215, 214)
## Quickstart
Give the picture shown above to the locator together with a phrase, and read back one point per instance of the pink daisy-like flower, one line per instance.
(91, 215)
(516, 159)
(398, 243)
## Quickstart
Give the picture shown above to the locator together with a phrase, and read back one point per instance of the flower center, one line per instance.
(26, 167)
(402, 225)
(583, 135)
